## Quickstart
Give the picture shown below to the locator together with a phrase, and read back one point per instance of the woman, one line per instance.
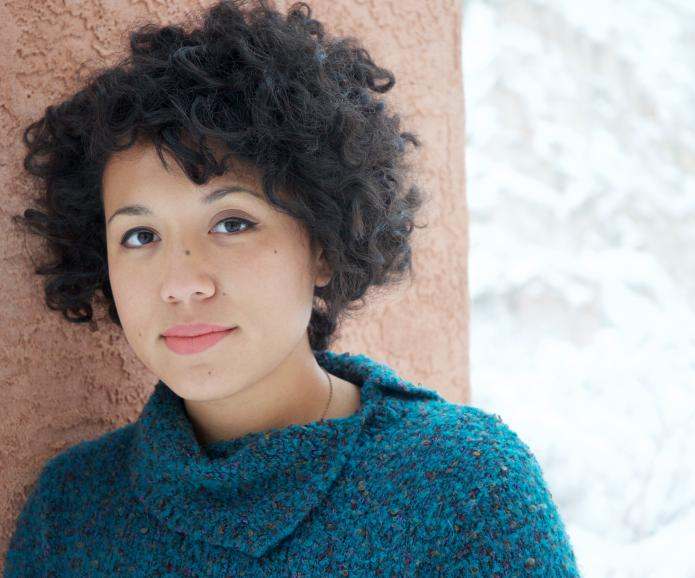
(232, 191)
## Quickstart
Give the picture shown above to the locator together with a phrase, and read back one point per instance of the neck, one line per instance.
(295, 392)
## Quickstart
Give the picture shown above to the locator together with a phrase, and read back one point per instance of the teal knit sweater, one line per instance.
(410, 485)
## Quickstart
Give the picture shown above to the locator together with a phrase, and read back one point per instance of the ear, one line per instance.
(323, 271)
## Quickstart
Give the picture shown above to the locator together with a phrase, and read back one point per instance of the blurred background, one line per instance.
(580, 168)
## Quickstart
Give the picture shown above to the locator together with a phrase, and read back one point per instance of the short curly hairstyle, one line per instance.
(277, 92)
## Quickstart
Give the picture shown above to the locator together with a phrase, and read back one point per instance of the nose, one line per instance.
(186, 280)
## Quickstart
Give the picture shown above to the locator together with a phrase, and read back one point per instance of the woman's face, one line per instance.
(230, 260)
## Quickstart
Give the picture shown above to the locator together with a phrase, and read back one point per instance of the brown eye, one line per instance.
(139, 232)
(248, 224)
(133, 232)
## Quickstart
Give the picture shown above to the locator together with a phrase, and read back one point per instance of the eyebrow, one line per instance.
(208, 199)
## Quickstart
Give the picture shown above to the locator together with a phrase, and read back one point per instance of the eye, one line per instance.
(248, 224)
(139, 232)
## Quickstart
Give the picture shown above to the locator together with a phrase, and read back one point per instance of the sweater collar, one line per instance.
(250, 492)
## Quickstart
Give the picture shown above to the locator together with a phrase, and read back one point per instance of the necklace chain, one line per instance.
(330, 395)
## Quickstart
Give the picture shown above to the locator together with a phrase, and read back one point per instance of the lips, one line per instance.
(196, 344)
(193, 329)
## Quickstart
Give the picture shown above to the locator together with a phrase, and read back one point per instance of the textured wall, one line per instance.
(62, 383)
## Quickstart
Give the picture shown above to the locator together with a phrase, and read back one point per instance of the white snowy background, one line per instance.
(580, 159)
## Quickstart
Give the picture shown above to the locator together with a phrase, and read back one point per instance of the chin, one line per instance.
(201, 390)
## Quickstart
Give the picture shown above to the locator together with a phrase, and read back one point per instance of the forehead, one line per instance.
(127, 170)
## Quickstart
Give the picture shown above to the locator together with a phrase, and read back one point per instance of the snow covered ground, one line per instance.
(580, 159)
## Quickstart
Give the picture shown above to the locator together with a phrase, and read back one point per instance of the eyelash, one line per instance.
(249, 226)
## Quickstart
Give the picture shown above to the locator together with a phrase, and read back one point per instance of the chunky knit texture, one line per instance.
(410, 485)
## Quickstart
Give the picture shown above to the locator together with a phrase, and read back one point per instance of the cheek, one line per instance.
(129, 293)
(277, 279)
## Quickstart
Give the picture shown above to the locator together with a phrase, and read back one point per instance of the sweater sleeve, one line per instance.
(29, 549)
(513, 527)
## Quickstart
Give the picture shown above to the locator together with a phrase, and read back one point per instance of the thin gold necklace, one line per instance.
(330, 395)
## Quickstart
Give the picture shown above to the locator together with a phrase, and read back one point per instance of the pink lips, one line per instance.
(189, 345)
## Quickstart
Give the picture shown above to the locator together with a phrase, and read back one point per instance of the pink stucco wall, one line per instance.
(62, 383)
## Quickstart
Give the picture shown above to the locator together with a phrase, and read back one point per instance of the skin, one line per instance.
(185, 263)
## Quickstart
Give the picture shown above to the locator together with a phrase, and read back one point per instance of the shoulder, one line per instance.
(447, 447)
(481, 494)
(95, 455)
(473, 453)
(446, 430)
(58, 495)
(84, 465)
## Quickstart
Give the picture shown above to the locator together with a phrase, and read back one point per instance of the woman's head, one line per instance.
(246, 96)
(181, 253)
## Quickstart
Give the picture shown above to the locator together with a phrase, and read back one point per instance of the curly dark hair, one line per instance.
(278, 93)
